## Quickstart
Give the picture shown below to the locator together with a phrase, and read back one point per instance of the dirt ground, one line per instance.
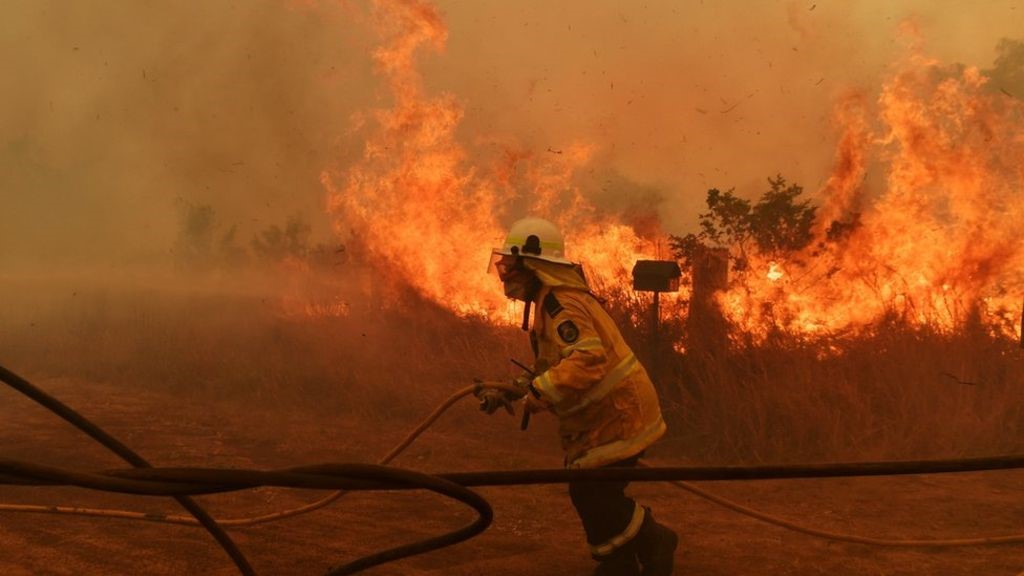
(535, 532)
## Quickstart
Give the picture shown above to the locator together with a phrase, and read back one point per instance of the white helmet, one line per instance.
(533, 238)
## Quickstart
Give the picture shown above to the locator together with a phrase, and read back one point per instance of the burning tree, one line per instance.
(778, 225)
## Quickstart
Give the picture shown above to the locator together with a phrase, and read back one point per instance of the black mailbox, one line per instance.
(656, 276)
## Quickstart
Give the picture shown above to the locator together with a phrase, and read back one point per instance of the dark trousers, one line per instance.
(603, 507)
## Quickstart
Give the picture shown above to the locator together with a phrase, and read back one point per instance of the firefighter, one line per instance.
(585, 374)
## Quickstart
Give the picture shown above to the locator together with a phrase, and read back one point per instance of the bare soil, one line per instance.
(535, 531)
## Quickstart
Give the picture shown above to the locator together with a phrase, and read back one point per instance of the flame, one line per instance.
(419, 206)
(413, 203)
(938, 244)
(917, 221)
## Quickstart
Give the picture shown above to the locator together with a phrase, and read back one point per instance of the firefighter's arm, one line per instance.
(583, 363)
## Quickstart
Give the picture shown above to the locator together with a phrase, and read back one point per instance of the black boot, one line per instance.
(655, 547)
(621, 562)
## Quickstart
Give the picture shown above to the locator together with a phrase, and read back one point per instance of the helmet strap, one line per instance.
(532, 287)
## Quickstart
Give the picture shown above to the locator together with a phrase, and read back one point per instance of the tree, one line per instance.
(202, 242)
(196, 226)
(1007, 72)
(779, 223)
(275, 243)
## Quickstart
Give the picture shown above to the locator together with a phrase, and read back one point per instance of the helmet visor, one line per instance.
(501, 264)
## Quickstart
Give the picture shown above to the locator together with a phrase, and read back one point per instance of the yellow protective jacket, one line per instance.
(605, 402)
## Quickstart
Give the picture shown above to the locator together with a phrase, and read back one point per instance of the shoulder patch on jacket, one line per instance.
(568, 332)
(551, 305)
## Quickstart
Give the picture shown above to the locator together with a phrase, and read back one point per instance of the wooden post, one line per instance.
(656, 340)
(656, 276)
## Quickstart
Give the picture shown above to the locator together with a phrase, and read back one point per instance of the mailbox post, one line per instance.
(656, 276)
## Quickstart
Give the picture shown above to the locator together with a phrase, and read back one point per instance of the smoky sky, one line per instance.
(115, 114)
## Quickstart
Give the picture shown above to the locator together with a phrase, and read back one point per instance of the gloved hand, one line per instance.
(493, 398)
(522, 383)
(532, 404)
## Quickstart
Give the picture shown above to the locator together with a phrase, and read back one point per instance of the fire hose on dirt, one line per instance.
(181, 483)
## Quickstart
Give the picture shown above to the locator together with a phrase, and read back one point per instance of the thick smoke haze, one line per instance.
(118, 114)
(115, 115)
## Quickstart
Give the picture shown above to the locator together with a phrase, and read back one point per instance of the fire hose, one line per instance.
(181, 483)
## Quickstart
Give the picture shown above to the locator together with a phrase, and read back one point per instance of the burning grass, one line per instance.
(900, 392)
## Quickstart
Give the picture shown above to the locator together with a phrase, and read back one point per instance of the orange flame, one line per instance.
(415, 204)
(918, 219)
(938, 244)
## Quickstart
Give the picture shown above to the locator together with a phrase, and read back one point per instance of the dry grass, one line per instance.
(902, 393)
(213, 342)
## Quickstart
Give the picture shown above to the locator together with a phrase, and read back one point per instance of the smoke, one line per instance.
(114, 113)
(686, 96)
(117, 114)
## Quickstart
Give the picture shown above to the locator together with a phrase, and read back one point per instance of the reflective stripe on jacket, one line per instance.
(606, 405)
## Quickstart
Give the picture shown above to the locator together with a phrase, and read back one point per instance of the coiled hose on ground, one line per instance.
(182, 482)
